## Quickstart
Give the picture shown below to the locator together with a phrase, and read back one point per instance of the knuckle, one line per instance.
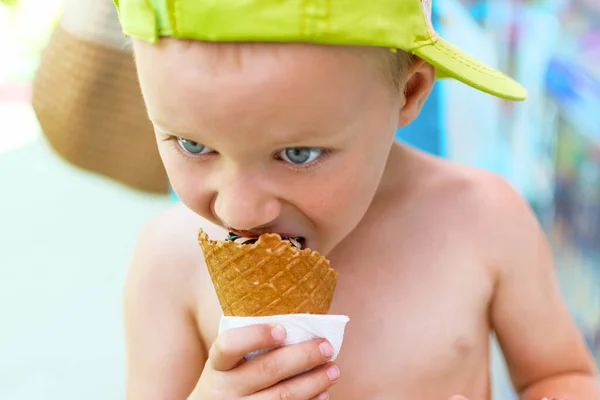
(263, 329)
(311, 355)
(284, 393)
(263, 333)
(219, 348)
(270, 366)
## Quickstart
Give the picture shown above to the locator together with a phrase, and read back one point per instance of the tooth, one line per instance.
(297, 242)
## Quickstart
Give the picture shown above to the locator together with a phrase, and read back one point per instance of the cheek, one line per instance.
(348, 192)
(186, 181)
(336, 201)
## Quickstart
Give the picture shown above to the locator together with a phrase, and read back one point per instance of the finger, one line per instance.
(306, 386)
(322, 396)
(232, 345)
(270, 368)
(458, 397)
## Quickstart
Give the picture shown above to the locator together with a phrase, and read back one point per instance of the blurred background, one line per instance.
(73, 202)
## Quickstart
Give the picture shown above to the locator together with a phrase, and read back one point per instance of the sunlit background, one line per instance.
(66, 233)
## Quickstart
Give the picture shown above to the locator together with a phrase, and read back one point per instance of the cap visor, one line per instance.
(452, 62)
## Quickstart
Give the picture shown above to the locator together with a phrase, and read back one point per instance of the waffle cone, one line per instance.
(269, 277)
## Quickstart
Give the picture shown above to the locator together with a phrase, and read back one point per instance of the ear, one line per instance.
(419, 82)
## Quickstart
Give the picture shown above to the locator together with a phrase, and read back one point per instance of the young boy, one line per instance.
(279, 116)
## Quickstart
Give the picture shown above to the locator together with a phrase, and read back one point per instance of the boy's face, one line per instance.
(284, 138)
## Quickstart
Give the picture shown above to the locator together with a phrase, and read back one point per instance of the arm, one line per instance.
(165, 355)
(545, 353)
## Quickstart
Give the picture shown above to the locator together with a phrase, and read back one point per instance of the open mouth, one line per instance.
(296, 241)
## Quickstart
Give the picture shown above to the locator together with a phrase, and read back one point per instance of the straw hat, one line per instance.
(88, 101)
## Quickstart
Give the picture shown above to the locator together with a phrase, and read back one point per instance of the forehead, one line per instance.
(244, 55)
(191, 85)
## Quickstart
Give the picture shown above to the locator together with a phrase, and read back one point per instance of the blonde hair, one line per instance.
(395, 63)
(398, 64)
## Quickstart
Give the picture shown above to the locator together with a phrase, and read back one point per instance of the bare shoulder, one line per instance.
(481, 206)
(483, 194)
(167, 255)
(471, 186)
(492, 203)
(173, 234)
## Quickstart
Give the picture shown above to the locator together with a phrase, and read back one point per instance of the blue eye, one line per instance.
(194, 148)
(300, 155)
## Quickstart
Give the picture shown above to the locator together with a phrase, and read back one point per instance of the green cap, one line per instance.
(396, 24)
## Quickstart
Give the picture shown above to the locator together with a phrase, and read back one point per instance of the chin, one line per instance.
(323, 247)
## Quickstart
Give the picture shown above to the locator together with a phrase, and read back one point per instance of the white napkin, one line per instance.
(299, 328)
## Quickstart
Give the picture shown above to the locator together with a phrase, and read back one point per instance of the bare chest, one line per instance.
(418, 323)
(418, 330)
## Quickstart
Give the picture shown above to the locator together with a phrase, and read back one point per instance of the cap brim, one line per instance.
(452, 62)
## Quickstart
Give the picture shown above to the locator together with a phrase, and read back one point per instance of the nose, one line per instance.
(246, 205)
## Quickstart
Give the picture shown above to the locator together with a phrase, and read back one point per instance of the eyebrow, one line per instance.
(296, 139)
(160, 129)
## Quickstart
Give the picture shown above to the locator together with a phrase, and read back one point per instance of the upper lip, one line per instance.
(254, 233)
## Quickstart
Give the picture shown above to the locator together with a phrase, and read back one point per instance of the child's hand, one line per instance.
(228, 376)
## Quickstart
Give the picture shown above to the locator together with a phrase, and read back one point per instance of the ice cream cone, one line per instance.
(269, 277)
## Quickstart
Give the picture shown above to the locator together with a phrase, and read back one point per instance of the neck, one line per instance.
(397, 161)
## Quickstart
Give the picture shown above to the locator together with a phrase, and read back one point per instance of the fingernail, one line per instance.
(333, 373)
(326, 349)
(278, 332)
(323, 396)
